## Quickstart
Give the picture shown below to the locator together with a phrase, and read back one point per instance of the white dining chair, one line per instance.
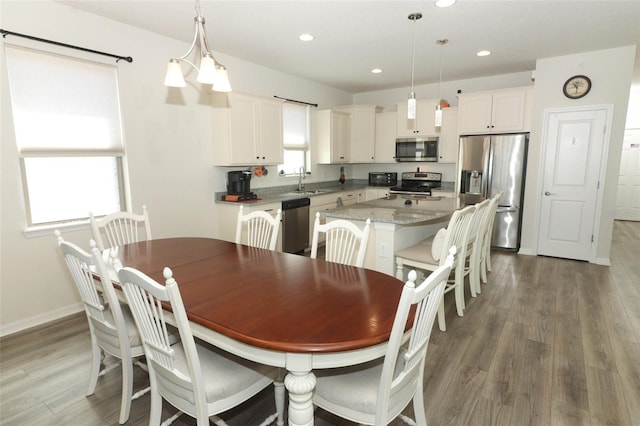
(423, 257)
(485, 261)
(111, 326)
(473, 247)
(198, 380)
(261, 228)
(376, 392)
(342, 237)
(118, 228)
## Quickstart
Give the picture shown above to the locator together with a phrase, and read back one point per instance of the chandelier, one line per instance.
(210, 71)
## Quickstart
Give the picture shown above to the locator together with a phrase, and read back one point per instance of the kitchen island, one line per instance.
(397, 222)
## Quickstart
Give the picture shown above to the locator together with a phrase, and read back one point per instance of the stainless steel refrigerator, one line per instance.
(490, 164)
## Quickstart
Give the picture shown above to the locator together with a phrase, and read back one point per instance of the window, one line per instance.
(66, 114)
(295, 125)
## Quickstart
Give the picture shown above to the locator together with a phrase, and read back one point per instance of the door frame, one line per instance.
(602, 172)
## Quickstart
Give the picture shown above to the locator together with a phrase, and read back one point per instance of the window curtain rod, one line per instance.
(298, 102)
(5, 33)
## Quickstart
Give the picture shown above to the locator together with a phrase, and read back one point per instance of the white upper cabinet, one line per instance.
(449, 140)
(501, 111)
(385, 150)
(247, 130)
(423, 125)
(363, 132)
(332, 130)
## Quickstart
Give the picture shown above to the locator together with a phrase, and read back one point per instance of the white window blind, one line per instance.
(295, 125)
(63, 104)
(68, 131)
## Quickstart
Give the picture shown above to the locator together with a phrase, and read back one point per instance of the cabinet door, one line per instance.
(245, 129)
(448, 149)
(474, 114)
(363, 128)
(422, 125)
(508, 111)
(340, 135)
(349, 198)
(385, 149)
(271, 149)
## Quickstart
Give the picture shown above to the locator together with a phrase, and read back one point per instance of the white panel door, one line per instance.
(628, 200)
(574, 146)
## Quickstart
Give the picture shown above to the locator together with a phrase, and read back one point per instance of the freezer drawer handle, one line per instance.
(547, 193)
(506, 209)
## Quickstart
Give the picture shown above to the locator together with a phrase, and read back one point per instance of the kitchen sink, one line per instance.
(309, 192)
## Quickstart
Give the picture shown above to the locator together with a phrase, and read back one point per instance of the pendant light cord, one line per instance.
(413, 17)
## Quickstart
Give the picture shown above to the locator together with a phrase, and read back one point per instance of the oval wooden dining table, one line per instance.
(276, 308)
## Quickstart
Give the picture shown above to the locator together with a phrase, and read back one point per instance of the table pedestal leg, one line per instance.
(300, 385)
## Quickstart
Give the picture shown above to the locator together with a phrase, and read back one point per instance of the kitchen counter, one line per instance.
(396, 225)
(393, 209)
(279, 194)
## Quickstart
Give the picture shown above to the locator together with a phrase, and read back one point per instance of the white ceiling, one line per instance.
(354, 36)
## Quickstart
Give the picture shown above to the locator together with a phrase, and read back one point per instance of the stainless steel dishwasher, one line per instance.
(295, 225)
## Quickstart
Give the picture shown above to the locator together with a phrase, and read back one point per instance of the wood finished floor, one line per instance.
(548, 342)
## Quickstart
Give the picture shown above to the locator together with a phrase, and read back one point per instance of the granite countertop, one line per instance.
(279, 194)
(394, 210)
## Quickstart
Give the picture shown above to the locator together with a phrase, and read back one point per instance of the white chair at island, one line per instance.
(341, 240)
(376, 392)
(197, 379)
(485, 259)
(474, 247)
(111, 326)
(262, 228)
(430, 254)
(116, 229)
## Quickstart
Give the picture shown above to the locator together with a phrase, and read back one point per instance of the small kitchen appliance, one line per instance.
(418, 183)
(239, 186)
(383, 179)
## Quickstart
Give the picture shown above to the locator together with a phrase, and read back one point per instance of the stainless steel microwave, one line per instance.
(417, 149)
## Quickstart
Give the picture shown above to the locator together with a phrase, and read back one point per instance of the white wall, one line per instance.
(167, 137)
(610, 72)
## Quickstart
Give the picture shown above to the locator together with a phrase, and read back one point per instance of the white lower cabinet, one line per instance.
(372, 193)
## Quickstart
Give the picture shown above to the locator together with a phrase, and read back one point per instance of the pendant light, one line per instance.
(210, 71)
(411, 102)
(438, 118)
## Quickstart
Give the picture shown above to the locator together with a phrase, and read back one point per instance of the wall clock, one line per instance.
(576, 87)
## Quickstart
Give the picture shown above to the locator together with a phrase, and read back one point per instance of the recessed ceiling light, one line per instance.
(376, 71)
(445, 3)
(483, 53)
(305, 37)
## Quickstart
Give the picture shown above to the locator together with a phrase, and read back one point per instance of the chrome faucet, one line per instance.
(301, 176)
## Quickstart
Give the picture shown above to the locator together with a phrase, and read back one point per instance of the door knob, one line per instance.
(547, 193)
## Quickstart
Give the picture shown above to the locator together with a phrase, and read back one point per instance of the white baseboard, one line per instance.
(14, 327)
(526, 252)
(604, 261)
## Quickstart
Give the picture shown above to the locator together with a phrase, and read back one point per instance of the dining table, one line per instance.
(275, 308)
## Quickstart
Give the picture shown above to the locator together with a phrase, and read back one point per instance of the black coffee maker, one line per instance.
(239, 183)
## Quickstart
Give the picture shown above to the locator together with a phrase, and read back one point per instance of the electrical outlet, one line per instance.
(383, 250)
